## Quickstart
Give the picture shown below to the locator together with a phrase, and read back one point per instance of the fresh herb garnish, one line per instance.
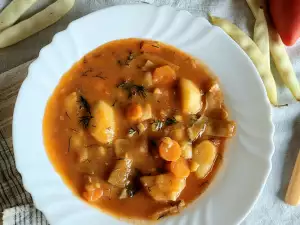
(76, 131)
(100, 76)
(84, 104)
(84, 73)
(130, 57)
(131, 132)
(69, 143)
(114, 103)
(157, 125)
(133, 89)
(193, 119)
(156, 46)
(140, 90)
(162, 216)
(85, 121)
(170, 121)
(68, 115)
(119, 62)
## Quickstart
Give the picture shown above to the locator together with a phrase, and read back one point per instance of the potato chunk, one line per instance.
(121, 147)
(204, 154)
(190, 96)
(119, 177)
(163, 187)
(186, 149)
(71, 105)
(164, 75)
(103, 123)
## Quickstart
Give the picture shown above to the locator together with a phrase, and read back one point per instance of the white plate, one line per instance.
(247, 160)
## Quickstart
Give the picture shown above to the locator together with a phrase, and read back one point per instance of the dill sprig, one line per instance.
(133, 89)
(193, 119)
(170, 121)
(157, 125)
(69, 143)
(85, 121)
(100, 76)
(131, 132)
(84, 104)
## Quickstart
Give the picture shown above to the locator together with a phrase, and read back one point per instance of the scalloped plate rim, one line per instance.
(27, 80)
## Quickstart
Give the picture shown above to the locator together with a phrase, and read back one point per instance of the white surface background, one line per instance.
(270, 209)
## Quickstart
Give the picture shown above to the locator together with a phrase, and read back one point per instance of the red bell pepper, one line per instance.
(286, 17)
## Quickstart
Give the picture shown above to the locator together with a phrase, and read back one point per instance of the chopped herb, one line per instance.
(84, 73)
(101, 77)
(141, 90)
(193, 119)
(68, 115)
(133, 89)
(84, 104)
(114, 103)
(131, 132)
(157, 125)
(119, 62)
(170, 121)
(130, 56)
(85, 121)
(128, 59)
(74, 130)
(69, 143)
(88, 161)
(162, 216)
(156, 46)
(123, 84)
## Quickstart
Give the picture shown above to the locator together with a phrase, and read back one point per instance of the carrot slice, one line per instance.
(134, 112)
(164, 75)
(169, 149)
(179, 168)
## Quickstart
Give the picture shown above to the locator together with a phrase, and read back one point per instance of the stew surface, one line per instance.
(137, 128)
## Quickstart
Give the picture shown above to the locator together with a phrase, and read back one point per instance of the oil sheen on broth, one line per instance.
(137, 123)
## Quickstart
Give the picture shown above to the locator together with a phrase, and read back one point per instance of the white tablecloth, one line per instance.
(270, 208)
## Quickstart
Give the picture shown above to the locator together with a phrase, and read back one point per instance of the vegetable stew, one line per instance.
(137, 128)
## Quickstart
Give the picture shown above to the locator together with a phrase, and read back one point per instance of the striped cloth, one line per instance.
(15, 203)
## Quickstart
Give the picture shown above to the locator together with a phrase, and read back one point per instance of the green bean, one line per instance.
(247, 44)
(13, 12)
(261, 35)
(279, 55)
(36, 23)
